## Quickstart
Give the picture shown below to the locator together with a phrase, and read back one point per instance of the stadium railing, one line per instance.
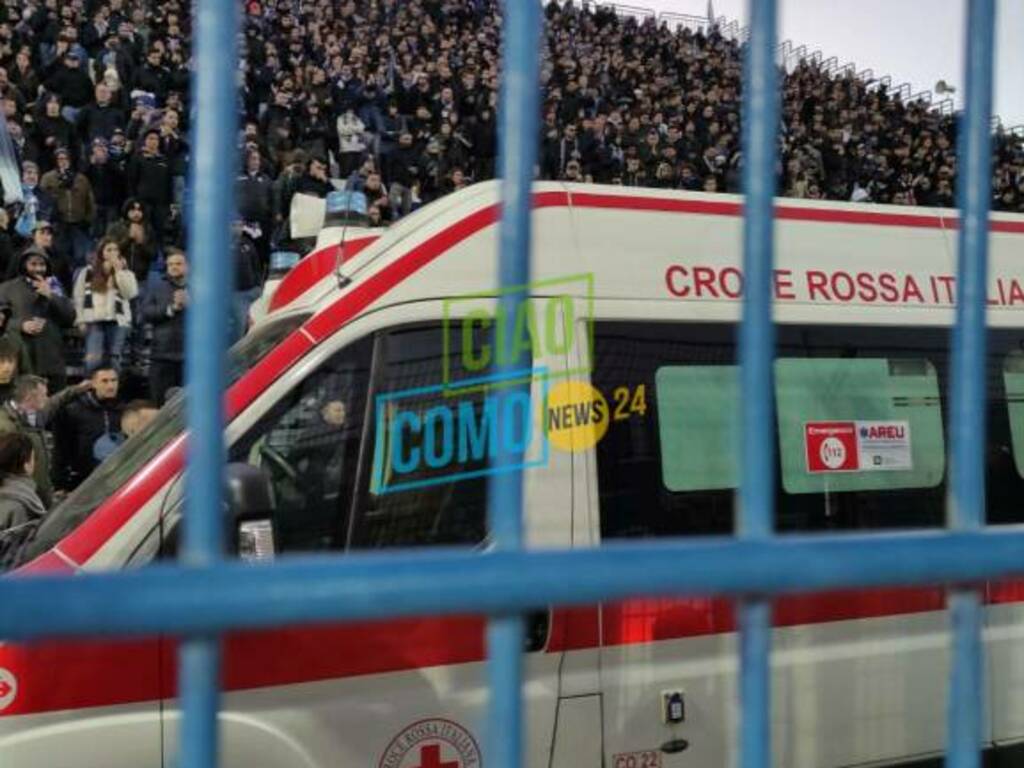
(507, 580)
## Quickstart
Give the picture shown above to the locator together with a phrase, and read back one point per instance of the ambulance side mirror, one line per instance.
(250, 502)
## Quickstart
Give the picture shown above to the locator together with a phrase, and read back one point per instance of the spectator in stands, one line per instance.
(101, 118)
(71, 82)
(9, 354)
(6, 244)
(87, 429)
(24, 77)
(247, 278)
(106, 176)
(42, 240)
(315, 181)
(20, 505)
(287, 185)
(103, 293)
(75, 206)
(176, 149)
(52, 131)
(28, 411)
(351, 141)
(149, 180)
(36, 206)
(254, 192)
(136, 416)
(402, 173)
(135, 238)
(42, 311)
(165, 306)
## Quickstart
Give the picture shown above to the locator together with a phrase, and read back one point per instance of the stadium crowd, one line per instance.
(392, 98)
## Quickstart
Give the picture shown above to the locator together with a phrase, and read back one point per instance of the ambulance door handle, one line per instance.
(538, 624)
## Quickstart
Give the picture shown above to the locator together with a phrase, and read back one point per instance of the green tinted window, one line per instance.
(858, 424)
(1013, 380)
(697, 426)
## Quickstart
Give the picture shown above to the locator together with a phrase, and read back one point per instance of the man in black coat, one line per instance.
(153, 77)
(165, 307)
(149, 180)
(101, 118)
(42, 312)
(108, 186)
(315, 181)
(87, 429)
(71, 82)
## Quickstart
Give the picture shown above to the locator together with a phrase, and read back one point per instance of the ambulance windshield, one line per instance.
(137, 452)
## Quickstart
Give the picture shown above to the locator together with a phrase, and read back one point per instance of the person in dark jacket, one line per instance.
(51, 131)
(43, 240)
(149, 179)
(108, 187)
(21, 509)
(6, 244)
(165, 306)
(153, 77)
(315, 181)
(9, 354)
(29, 410)
(42, 312)
(247, 278)
(255, 195)
(71, 81)
(136, 238)
(101, 118)
(87, 429)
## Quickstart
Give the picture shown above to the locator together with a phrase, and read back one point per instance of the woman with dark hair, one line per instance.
(19, 503)
(103, 292)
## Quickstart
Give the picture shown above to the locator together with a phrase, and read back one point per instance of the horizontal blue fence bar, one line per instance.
(165, 599)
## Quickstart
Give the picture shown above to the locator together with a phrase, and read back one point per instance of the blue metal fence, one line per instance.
(204, 596)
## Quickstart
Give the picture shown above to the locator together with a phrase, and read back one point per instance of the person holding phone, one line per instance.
(102, 295)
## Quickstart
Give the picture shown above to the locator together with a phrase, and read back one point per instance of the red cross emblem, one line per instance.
(430, 757)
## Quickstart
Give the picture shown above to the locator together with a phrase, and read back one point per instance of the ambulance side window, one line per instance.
(860, 439)
(425, 450)
(308, 444)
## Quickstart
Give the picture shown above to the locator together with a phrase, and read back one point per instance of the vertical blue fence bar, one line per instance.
(520, 105)
(210, 280)
(757, 347)
(966, 502)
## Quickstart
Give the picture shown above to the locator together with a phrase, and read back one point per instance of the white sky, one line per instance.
(915, 41)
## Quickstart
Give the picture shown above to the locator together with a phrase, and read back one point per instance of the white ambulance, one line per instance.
(369, 409)
(324, 233)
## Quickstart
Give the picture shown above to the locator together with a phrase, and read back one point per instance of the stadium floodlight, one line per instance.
(942, 87)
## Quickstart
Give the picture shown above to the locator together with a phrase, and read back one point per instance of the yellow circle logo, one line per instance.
(575, 416)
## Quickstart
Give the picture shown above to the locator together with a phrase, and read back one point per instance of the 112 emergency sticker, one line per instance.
(858, 446)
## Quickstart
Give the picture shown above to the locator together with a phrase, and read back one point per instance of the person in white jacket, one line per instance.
(351, 142)
(103, 292)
